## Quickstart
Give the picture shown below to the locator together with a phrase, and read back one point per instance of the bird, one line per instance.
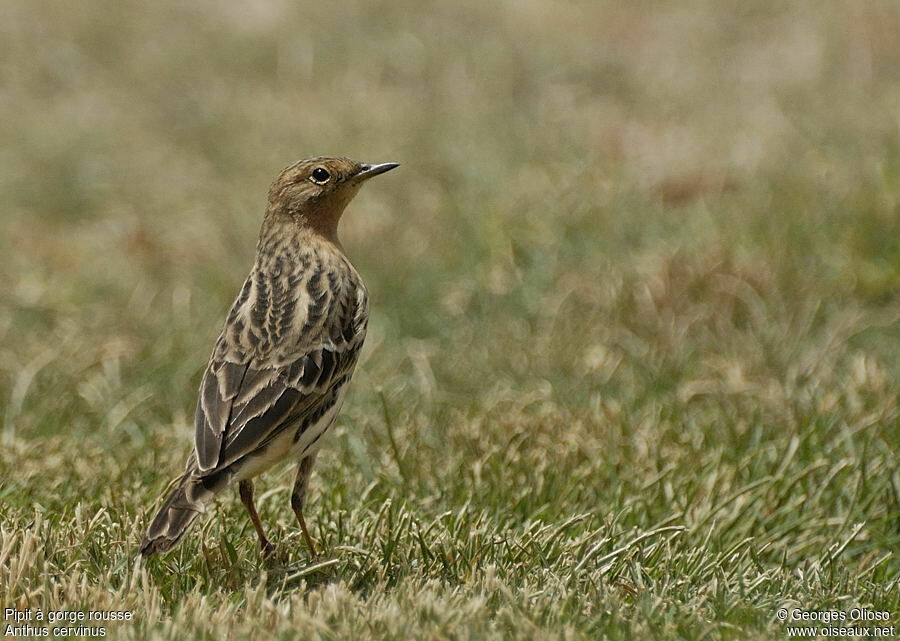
(280, 368)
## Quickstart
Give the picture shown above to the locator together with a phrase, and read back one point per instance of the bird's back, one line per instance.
(290, 343)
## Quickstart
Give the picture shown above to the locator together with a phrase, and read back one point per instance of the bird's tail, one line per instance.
(184, 503)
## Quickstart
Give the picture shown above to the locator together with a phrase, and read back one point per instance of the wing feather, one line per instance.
(220, 383)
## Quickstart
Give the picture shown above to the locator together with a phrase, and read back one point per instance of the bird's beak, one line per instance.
(367, 171)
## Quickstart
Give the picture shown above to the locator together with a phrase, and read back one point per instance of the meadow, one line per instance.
(634, 349)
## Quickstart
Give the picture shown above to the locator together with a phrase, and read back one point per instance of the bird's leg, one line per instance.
(298, 499)
(246, 491)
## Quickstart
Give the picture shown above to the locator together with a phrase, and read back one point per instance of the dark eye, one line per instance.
(320, 175)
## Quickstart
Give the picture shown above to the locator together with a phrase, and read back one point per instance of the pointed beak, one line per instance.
(368, 171)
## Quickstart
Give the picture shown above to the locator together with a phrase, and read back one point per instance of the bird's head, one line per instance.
(313, 193)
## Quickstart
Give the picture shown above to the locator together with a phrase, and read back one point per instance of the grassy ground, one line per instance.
(633, 361)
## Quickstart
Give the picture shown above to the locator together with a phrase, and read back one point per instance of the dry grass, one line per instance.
(633, 361)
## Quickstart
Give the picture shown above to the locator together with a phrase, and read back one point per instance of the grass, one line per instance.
(633, 357)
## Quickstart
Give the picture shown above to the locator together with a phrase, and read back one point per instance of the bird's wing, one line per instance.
(269, 372)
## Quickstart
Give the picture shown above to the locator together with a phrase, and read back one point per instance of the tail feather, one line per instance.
(184, 503)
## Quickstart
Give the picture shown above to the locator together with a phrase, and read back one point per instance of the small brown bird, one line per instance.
(279, 370)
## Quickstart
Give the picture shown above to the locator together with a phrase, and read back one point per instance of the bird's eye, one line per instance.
(320, 176)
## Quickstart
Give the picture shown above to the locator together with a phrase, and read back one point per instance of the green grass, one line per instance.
(633, 361)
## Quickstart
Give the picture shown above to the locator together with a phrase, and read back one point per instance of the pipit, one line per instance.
(280, 368)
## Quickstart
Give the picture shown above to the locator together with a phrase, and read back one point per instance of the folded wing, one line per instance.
(248, 394)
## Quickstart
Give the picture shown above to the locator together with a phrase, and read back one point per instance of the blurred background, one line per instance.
(560, 162)
(628, 241)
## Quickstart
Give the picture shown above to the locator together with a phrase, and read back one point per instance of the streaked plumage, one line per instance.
(280, 368)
